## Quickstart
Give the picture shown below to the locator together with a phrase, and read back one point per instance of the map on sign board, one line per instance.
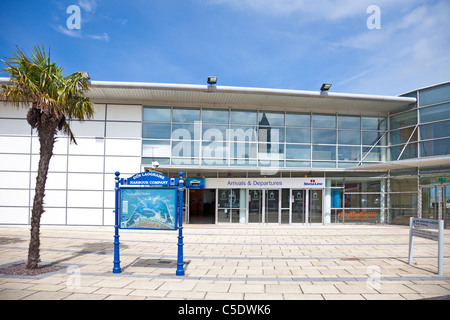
(148, 208)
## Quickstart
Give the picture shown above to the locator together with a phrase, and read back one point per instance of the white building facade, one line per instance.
(249, 155)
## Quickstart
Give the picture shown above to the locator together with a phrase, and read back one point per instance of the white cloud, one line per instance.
(88, 5)
(407, 53)
(71, 33)
(311, 10)
(102, 37)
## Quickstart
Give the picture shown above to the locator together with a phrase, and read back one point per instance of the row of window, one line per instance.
(262, 118)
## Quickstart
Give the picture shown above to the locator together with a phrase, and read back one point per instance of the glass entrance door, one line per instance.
(436, 203)
(315, 206)
(264, 206)
(298, 206)
(307, 206)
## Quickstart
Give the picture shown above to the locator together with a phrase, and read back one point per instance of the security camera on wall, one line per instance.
(155, 164)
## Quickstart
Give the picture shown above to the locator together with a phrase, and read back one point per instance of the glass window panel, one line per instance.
(215, 116)
(298, 135)
(349, 153)
(185, 148)
(323, 121)
(214, 150)
(376, 154)
(186, 114)
(295, 151)
(298, 119)
(270, 151)
(162, 161)
(155, 148)
(243, 150)
(156, 130)
(349, 137)
(298, 164)
(214, 132)
(404, 119)
(369, 138)
(241, 133)
(213, 162)
(434, 95)
(435, 113)
(374, 123)
(243, 162)
(323, 164)
(324, 153)
(243, 117)
(402, 136)
(271, 118)
(324, 136)
(186, 131)
(157, 114)
(435, 130)
(349, 122)
(185, 161)
(269, 134)
(435, 148)
(410, 151)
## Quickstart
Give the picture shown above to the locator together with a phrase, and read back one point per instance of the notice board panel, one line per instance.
(148, 208)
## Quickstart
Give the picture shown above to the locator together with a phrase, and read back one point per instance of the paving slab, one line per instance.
(237, 262)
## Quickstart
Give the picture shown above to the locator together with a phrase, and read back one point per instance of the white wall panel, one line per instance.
(76, 216)
(14, 162)
(60, 146)
(88, 128)
(85, 199)
(110, 197)
(54, 216)
(14, 127)
(15, 180)
(124, 112)
(87, 146)
(118, 147)
(52, 198)
(14, 197)
(85, 181)
(86, 164)
(55, 180)
(14, 215)
(123, 130)
(15, 144)
(7, 110)
(58, 163)
(109, 217)
(123, 164)
(99, 112)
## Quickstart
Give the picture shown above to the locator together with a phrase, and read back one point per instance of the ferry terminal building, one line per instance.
(250, 155)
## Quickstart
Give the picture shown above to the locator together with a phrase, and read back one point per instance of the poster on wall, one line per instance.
(148, 208)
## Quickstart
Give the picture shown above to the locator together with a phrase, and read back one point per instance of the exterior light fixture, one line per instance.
(212, 80)
(325, 87)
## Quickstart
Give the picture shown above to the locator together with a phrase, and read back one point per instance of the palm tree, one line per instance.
(53, 100)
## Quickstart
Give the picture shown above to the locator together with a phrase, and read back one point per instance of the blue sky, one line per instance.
(286, 44)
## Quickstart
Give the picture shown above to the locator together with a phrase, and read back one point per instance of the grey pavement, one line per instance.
(242, 262)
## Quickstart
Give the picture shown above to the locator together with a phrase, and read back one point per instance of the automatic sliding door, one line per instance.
(298, 206)
(315, 206)
(272, 206)
(255, 206)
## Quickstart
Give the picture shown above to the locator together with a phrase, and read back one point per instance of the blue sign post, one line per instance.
(149, 200)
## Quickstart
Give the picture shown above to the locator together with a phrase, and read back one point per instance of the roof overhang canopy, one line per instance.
(243, 97)
(405, 164)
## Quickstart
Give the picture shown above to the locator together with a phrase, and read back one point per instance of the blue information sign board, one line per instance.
(149, 200)
(148, 208)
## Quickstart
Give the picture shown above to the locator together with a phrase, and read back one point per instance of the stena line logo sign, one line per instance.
(313, 183)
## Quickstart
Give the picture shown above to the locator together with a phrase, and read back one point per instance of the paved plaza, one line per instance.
(351, 262)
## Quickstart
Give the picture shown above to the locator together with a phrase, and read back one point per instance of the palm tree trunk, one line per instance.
(46, 132)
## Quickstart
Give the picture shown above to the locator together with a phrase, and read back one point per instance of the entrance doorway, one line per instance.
(436, 203)
(307, 206)
(264, 206)
(202, 206)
